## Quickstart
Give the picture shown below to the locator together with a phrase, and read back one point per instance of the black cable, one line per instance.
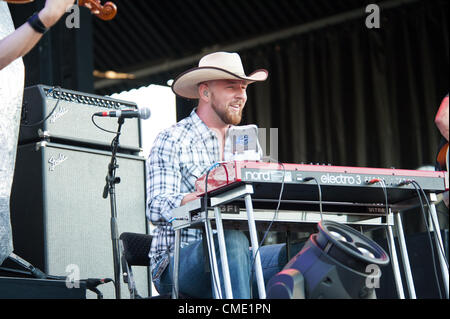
(276, 214)
(307, 179)
(384, 188)
(428, 205)
(98, 292)
(429, 237)
(383, 185)
(51, 113)
(112, 132)
(14, 271)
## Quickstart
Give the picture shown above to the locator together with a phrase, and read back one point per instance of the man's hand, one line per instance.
(53, 11)
(190, 197)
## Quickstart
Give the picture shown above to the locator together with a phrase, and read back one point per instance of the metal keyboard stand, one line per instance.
(243, 191)
(434, 226)
(196, 205)
(390, 239)
(439, 245)
(185, 210)
(195, 208)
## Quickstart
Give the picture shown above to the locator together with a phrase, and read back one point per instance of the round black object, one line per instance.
(341, 242)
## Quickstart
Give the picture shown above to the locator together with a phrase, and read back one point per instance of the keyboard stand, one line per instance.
(193, 213)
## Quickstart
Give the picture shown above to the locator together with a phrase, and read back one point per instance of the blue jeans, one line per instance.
(195, 281)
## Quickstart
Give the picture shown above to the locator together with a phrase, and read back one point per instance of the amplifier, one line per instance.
(61, 222)
(26, 288)
(71, 121)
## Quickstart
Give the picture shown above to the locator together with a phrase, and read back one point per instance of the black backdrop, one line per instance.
(342, 94)
(349, 95)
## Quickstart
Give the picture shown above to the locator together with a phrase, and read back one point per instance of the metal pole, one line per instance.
(255, 247)
(405, 258)
(439, 245)
(115, 243)
(394, 260)
(176, 264)
(110, 188)
(213, 260)
(223, 254)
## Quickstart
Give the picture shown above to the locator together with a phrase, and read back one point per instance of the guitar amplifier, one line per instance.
(30, 288)
(61, 222)
(65, 116)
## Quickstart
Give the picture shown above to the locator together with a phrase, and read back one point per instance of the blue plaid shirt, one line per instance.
(180, 155)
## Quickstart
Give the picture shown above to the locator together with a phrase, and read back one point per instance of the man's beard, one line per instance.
(227, 115)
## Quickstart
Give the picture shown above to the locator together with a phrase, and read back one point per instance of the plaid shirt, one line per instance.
(180, 155)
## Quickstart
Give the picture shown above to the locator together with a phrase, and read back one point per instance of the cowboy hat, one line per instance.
(214, 66)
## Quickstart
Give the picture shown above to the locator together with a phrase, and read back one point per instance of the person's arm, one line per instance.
(22, 40)
(164, 180)
(441, 119)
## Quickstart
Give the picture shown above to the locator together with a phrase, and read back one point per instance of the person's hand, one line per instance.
(190, 197)
(53, 11)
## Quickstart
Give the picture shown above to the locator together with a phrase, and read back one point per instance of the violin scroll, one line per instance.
(105, 12)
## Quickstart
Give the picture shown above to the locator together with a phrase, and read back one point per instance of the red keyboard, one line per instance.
(338, 183)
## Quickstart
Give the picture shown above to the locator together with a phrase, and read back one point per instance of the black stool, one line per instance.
(134, 250)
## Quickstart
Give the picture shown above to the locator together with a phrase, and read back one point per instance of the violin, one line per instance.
(105, 12)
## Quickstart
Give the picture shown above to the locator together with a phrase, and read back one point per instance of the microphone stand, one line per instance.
(111, 181)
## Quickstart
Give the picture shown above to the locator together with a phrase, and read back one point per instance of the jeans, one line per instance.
(194, 279)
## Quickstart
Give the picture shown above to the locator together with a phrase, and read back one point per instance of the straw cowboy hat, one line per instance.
(214, 66)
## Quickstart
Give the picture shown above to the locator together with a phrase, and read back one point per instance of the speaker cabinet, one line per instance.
(422, 268)
(69, 120)
(61, 222)
(28, 288)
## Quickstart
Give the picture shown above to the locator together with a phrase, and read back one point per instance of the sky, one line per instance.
(162, 104)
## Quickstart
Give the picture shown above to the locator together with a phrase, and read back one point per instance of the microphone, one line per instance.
(37, 273)
(92, 283)
(142, 113)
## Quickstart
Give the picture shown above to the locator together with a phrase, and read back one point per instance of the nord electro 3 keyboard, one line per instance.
(338, 184)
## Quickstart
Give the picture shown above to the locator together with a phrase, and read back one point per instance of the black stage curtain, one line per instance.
(353, 96)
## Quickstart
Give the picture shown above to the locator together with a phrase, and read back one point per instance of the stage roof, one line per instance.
(155, 40)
